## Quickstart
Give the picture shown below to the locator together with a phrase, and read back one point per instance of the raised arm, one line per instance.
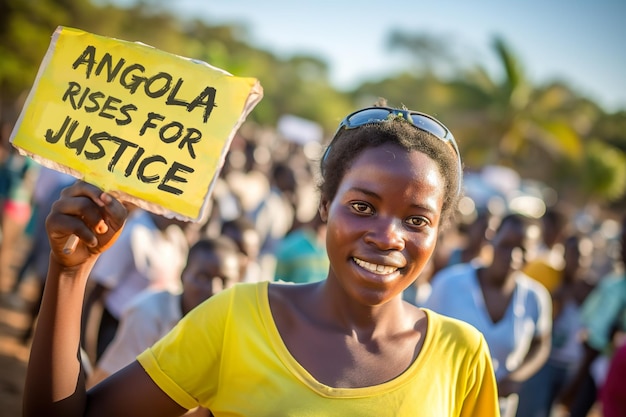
(54, 384)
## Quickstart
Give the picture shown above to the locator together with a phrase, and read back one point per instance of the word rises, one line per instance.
(147, 168)
(133, 79)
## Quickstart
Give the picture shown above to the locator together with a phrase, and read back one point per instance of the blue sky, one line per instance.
(577, 41)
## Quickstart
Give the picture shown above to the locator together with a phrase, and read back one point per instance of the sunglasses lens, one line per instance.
(368, 116)
(429, 125)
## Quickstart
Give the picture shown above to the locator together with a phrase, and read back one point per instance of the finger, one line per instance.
(114, 212)
(81, 206)
(62, 226)
(81, 188)
(98, 211)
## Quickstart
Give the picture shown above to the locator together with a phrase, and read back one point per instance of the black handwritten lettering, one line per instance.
(98, 145)
(148, 123)
(172, 131)
(162, 90)
(74, 90)
(178, 132)
(131, 77)
(95, 104)
(193, 136)
(95, 141)
(109, 106)
(135, 80)
(123, 145)
(51, 137)
(78, 144)
(133, 161)
(171, 176)
(107, 60)
(171, 98)
(88, 58)
(124, 110)
(142, 167)
(206, 99)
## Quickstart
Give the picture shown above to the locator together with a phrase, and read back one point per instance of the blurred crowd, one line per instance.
(555, 277)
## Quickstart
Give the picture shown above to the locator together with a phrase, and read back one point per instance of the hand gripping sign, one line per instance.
(150, 127)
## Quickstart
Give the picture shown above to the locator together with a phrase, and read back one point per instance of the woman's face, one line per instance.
(383, 222)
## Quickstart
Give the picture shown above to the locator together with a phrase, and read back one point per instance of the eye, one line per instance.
(362, 208)
(417, 221)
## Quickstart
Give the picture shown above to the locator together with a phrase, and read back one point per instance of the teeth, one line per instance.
(377, 269)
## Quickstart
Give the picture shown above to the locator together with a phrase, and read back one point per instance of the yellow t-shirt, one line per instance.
(542, 272)
(228, 356)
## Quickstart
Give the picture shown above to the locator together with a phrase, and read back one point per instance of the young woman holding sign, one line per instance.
(346, 346)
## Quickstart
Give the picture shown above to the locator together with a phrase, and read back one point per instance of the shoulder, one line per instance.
(530, 284)
(449, 330)
(533, 289)
(613, 282)
(454, 274)
(243, 295)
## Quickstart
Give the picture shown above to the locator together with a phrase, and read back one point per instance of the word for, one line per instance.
(148, 169)
(132, 78)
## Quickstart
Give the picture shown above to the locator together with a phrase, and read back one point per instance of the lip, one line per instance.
(379, 272)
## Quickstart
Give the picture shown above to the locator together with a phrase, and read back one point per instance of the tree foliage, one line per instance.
(545, 132)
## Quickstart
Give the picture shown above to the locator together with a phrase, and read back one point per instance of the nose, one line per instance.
(387, 234)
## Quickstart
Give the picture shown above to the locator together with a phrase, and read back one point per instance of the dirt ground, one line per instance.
(14, 320)
(13, 359)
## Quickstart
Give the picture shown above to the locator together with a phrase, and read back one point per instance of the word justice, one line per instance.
(148, 169)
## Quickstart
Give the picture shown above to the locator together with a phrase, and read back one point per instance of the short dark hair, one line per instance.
(516, 219)
(348, 144)
(220, 244)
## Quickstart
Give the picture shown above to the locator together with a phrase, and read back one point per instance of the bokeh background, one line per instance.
(534, 92)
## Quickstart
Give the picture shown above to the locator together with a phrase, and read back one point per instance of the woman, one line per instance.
(347, 345)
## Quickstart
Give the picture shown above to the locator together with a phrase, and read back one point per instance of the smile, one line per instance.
(376, 269)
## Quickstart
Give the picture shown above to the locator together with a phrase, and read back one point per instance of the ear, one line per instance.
(323, 210)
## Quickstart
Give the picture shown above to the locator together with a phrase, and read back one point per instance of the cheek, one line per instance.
(424, 248)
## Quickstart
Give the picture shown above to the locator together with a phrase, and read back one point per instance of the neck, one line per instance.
(488, 277)
(362, 320)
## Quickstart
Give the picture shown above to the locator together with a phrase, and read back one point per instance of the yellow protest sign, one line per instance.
(149, 126)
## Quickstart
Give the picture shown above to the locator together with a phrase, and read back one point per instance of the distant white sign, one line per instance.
(298, 130)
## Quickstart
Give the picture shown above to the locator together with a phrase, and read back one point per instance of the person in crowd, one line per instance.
(18, 174)
(603, 316)
(475, 234)
(301, 255)
(512, 311)
(613, 392)
(275, 216)
(212, 265)
(241, 230)
(47, 189)
(546, 266)
(539, 393)
(348, 345)
(150, 253)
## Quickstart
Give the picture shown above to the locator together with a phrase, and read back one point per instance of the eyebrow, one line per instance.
(366, 192)
(378, 197)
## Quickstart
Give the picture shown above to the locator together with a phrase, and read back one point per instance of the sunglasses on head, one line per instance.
(421, 121)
